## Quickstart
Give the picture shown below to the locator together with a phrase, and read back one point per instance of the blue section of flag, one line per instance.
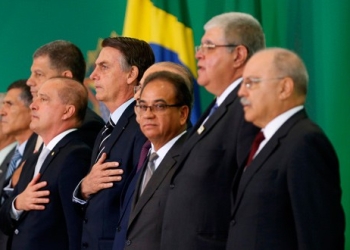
(163, 54)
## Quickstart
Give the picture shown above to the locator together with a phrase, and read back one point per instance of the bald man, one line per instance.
(288, 196)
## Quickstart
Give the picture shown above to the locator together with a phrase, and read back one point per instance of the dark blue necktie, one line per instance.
(213, 109)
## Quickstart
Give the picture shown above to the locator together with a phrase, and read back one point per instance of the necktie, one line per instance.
(213, 109)
(143, 155)
(13, 164)
(149, 171)
(44, 152)
(258, 139)
(106, 133)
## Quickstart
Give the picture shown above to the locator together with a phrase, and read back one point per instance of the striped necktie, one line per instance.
(106, 133)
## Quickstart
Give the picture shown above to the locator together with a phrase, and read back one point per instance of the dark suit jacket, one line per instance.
(102, 210)
(143, 229)
(289, 196)
(59, 225)
(91, 127)
(3, 167)
(28, 151)
(197, 213)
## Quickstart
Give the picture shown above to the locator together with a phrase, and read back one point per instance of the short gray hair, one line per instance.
(240, 29)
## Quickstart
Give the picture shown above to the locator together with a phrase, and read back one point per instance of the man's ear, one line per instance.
(286, 88)
(67, 73)
(184, 113)
(68, 112)
(133, 74)
(240, 54)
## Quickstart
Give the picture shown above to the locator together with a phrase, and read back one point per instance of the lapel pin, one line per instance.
(200, 129)
(52, 153)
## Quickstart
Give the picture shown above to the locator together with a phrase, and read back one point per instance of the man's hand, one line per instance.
(32, 198)
(101, 176)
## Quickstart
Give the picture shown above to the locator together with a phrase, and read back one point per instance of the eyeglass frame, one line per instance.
(153, 108)
(255, 80)
(211, 46)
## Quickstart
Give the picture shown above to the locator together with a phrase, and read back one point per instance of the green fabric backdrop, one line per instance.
(317, 30)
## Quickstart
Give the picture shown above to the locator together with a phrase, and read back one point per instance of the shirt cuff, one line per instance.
(15, 214)
(77, 196)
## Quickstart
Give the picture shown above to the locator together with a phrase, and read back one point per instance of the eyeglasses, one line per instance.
(208, 46)
(155, 108)
(249, 82)
(137, 88)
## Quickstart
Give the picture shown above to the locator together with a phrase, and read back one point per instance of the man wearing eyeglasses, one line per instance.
(120, 236)
(163, 112)
(289, 196)
(197, 213)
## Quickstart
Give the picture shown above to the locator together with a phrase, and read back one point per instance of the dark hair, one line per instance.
(25, 95)
(63, 56)
(183, 95)
(136, 52)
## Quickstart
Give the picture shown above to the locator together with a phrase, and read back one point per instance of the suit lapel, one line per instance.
(199, 131)
(265, 153)
(49, 158)
(163, 169)
(4, 167)
(117, 131)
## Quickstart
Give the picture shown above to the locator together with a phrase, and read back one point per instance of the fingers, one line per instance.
(101, 176)
(32, 198)
(112, 172)
(35, 179)
(102, 158)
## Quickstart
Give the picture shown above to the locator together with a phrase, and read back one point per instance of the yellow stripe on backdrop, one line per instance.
(145, 21)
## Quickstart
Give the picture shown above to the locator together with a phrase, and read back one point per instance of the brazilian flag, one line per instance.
(165, 26)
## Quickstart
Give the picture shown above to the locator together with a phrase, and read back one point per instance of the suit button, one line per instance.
(233, 222)
(85, 245)
(119, 228)
(128, 242)
(85, 220)
(172, 186)
(16, 231)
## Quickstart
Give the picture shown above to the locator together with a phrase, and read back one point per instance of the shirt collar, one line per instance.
(220, 99)
(57, 138)
(120, 110)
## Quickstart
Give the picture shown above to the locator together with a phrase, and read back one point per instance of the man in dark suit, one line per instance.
(197, 213)
(289, 196)
(40, 214)
(15, 120)
(119, 67)
(165, 127)
(63, 58)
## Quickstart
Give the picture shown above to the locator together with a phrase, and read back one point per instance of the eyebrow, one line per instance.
(7, 102)
(157, 100)
(43, 95)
